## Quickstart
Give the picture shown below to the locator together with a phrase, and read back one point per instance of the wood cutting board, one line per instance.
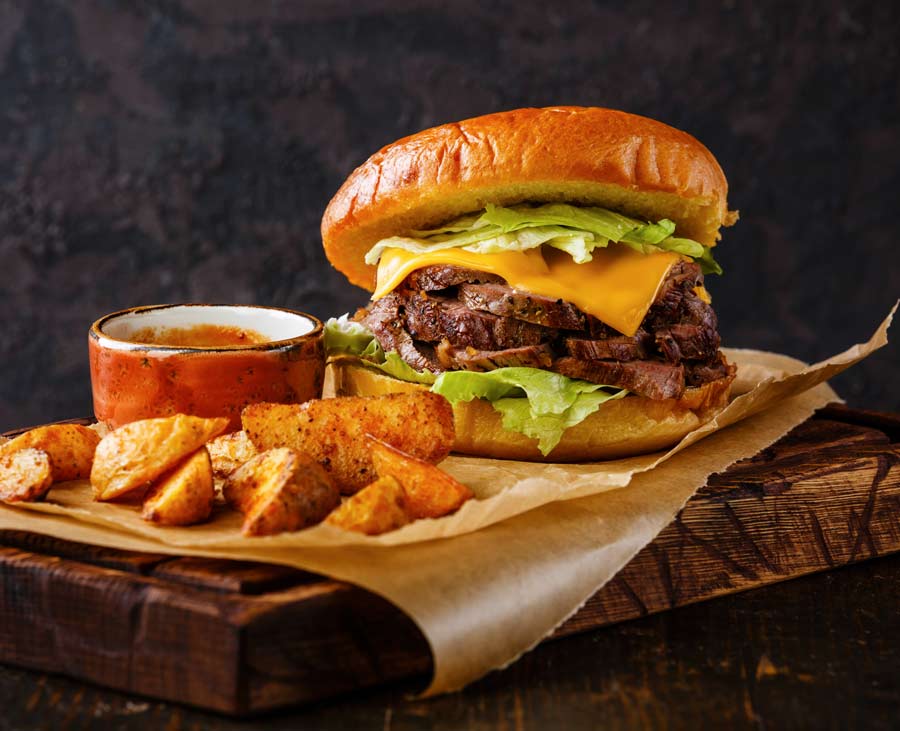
(242, 638)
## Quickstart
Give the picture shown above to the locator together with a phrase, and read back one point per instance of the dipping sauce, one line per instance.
(204, 360)
(198, 336)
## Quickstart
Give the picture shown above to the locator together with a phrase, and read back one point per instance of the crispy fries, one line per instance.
(377, 508)
(332, 431)
(184, 495)
(69, 447)
(137, 453)
(280, 490)
(25, 475)
(230, 451)
(430, 492)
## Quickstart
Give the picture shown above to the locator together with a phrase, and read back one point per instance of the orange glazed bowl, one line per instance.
(205, 360)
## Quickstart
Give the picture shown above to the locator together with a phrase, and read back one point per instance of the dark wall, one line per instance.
(184, 150)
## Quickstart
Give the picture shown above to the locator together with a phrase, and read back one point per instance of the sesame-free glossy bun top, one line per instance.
(579, 155)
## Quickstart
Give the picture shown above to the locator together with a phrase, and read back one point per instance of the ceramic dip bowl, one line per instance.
(205, 360)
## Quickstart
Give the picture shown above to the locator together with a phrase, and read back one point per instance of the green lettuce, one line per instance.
(576, 230)
(537, 403)
(343, 336)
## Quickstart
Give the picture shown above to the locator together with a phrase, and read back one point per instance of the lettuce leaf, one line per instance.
(577, 230)
(548, 429)
(708, 265)
(395, 366)
(537, 403)
(343, 336)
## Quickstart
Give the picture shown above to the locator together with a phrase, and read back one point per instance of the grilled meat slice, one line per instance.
(687, 342)
(385, 320)
(434, 319)
(470, 359)
(442, 276)
(646, 378)
(696, 374)
(670, 299)
(500, 299)
(615, 348)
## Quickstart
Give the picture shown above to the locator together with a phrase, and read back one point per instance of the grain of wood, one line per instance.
(260, 637)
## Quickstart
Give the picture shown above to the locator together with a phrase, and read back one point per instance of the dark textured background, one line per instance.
(184, 150)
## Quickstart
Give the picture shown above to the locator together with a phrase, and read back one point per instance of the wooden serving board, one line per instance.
(242, 638)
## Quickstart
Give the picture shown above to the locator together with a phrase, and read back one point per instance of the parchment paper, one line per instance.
(503, 574)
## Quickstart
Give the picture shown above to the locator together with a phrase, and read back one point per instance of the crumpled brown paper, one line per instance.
(505, 574)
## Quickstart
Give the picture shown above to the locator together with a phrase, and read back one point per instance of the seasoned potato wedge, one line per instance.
(137, 453)
(377, 508)
(241, 486)
(280, 490)
(230, 451)
(184, 495)
(70, 448)
(430, 492)
(332, 431)
(25, 475)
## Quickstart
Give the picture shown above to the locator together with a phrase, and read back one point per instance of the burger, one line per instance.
(543, 269)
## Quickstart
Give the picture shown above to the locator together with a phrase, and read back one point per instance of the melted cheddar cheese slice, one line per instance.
(617, 286)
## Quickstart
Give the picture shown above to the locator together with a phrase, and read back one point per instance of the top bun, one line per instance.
(580, 155)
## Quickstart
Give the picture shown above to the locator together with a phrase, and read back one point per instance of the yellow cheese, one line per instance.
(701, 292)
(617, 286)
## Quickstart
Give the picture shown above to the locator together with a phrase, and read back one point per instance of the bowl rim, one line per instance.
(103, 339)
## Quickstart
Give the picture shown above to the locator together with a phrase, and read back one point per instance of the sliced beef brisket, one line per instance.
(452, 318)
(385, 320)
(687, 342)
(444, 276)
(696, 374)
(470, 359)
(616, 348)
(500, 299)
(652, 379)
(435, 319)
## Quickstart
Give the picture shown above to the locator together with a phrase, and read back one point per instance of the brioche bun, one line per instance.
(579, 155)
(621, 428)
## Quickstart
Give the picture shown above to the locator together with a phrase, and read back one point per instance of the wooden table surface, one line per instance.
(817, 652)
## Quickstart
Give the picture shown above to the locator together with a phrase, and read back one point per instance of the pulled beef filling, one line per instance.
(449, 318)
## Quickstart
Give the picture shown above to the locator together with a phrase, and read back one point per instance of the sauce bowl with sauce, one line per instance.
(205, 360)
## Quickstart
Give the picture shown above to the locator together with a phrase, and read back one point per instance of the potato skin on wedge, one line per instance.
(70, 448)
(25, 475)
(332, 431)
(183, 496)
(137, 453)
(430, 492)
(280, 490)
(230, 451)
(377, 508)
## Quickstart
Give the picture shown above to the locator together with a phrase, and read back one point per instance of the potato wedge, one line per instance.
(230, 451)
(137, 453)
(430, 492)
(25, 475)
(183, 496)
(70, 448)
(241, 486)
(280, 490)
(332, 431)
(377, 508)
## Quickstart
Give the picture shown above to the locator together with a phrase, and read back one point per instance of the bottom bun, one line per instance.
(621, 428)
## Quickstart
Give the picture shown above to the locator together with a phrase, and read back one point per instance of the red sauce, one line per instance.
(198, 336)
